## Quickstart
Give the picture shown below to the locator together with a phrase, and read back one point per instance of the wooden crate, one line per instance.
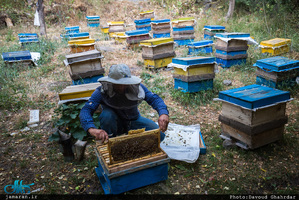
(78, 91)
(157, 48)
(230, 55)
(191, 87)
(158, 63)
(232, 45)
(276, 46)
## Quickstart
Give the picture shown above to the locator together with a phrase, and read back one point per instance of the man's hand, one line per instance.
(99, 134)
(163, 122)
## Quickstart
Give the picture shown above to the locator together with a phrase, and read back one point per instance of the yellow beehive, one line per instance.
(147, 14)
(155, 42)
(105, 29)
(195, 70)
(158, 63)
(157, 48)
(181, 22)
(78, 91)
(120, 37)
(81, 45)
(276, 46)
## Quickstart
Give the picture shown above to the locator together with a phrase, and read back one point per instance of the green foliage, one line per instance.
(67, 116)
(9, 36)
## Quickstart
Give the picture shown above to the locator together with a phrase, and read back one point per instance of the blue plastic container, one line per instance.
(191, 87)
(229, 63)
(16, 56)
(162, 35)
(93, 79)
(136, 32)
(254, 96)
(183, 42)
(232, 35)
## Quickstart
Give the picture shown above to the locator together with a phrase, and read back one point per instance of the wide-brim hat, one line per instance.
(120, 74)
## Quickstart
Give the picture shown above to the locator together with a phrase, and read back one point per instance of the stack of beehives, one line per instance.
(204, 46)
(116, 26)
(253, 116)
(231, 48)
(183, 30)
(93, 21)
(143, 24)
(211, 30)
(134, 37)
(276, 46)
(161, 28)
(73, 33)
(193, 74)
(157, 52)
(85, 67)
(277, 72)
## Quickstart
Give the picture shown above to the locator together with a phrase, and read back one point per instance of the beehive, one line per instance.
(28, 38)
(146, 163)
(105, 29)
(116, 26)
(72, 29)
(75, 36)
(276, 46)
(135, 36)
(193, 74)
(157, 48)
(211, 30)
(22, 58)
(277, 71)
(78, 91)
(161, 28)
(183, 30)
(204, 46)
(120, 38)
(245, 114)
(93, 21)
(143, 24)
(81, 45)
(150, 14)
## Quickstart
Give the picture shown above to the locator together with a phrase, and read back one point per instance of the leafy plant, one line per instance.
(67, 117)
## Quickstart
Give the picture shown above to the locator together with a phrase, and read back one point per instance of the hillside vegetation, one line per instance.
(29, 156)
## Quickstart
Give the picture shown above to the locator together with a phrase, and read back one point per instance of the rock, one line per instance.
(8, 22)
(25, 129)
(297, 80)
(227, 82)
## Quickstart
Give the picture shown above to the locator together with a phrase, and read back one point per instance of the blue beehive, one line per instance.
(186, 28)
(193, 86)
(72, 29)
(26, 38)
(193, 60)
(93, 21)
(143, 24)
(230, 55)
(136, 32)
(277, 71)
(93, 79)
(254, 96)
(74, 36)
(16, 56)
(204, 46)
(211, 30)
(160, 28)
(232, 35)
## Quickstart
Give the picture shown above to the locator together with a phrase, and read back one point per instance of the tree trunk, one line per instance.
(230, 9)
(40, 10)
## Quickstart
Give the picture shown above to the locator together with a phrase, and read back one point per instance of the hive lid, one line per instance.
(156, 41)
(200, 43)
(254, 96)
(232, 35)
(277, 64)
(276, 42)
(214, 27)
(16, 55)
(137, 32)
(193, 60)
(83, 56)
(81, 41)
(93, 17)
(71, 28)
(116, 23)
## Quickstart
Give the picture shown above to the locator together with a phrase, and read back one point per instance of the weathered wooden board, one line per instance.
(257, 140)
(84, 56)
(86, 66)
(278, 76)
(250, 117)
(232, 45)
(157, 52)
(231, 55)
(195, 60)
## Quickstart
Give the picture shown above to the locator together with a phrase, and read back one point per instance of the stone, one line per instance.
(227, 82)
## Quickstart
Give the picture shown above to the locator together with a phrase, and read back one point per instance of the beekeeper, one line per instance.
(119, 95)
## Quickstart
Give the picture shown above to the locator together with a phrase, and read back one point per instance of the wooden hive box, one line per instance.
(230, 55)
(211, 30)
(78, 46)
(191, 87)
(84, 62)
(93, 21)
(193, 69)
(276, 46)
(120, 37)
(150, 14)
(143, 24)
(116, 26)
(183, 22)
(72, 29)
(23, 58)
(105, 29)
(157, 48)
(157, 63)
(204, 46)
(78, 91)
(161, 28)
(245, 114)
(131, 161)
(134, 37)
(28, 38)
(277, 71)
